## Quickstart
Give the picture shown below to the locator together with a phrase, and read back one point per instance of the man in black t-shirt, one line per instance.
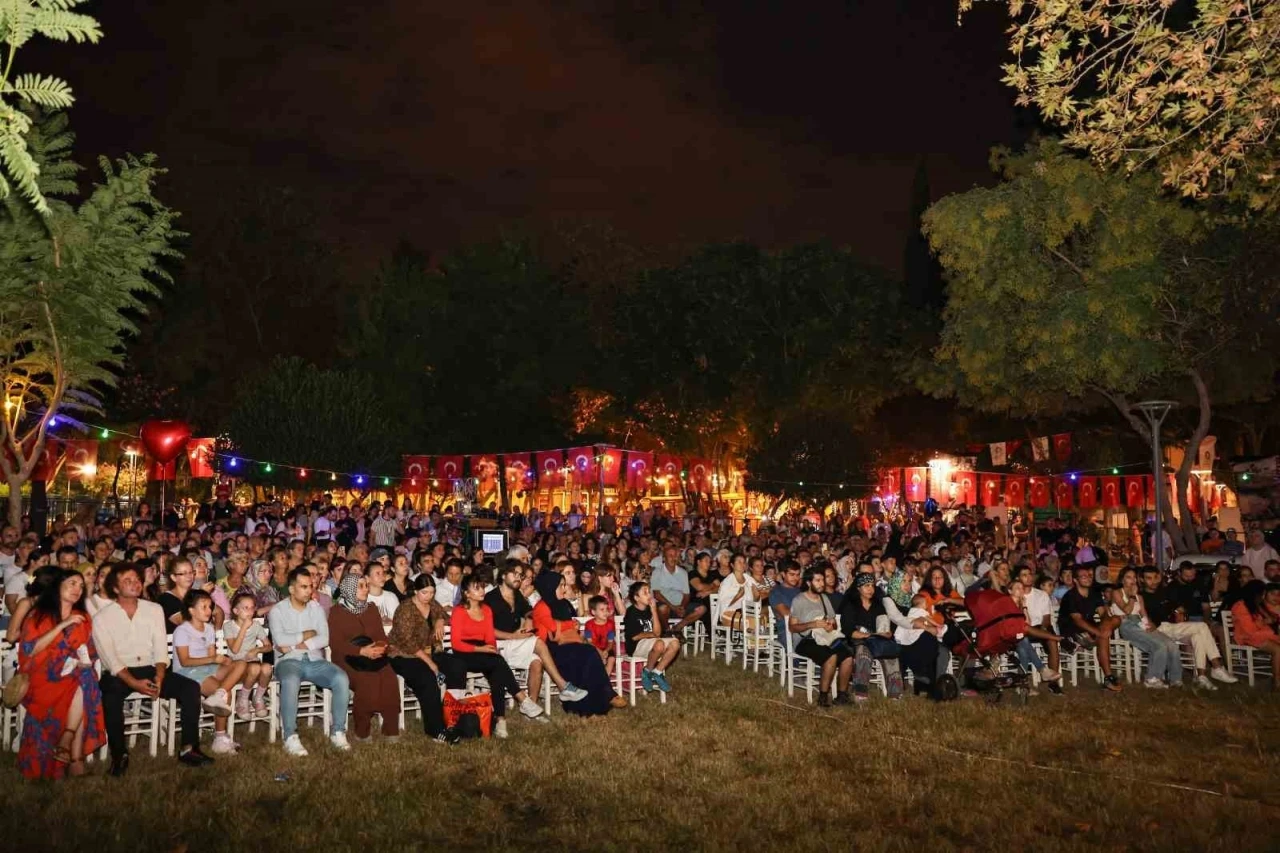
(1084, 617)
(1167, 608)
(1189, 594)
(517, 643)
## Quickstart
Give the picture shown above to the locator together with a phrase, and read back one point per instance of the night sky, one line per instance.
(443, 123)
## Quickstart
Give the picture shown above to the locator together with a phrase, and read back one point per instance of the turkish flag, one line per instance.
(82, 456)
(1062, 446)
(1088, 492)
(1111, 492)
(1133, 492)
(1151, 490)
(416, 470)
(447, 468)
(967, 487)
(939, 486)
(700, 471)
(989, 491)
(549, 463)
(47, 463)
(1193, 493)
(583, 462)
(200, 457)
(890, 482)
(162, 472)
(1215, 498)
(1015, 490)
(916, 479)
(1039, 491)
(485, 469)
(1062, 493)
(516, 472)
(639, 470)
(611, 459)
(670, 466)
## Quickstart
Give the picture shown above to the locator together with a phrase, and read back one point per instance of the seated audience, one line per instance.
(359, 647)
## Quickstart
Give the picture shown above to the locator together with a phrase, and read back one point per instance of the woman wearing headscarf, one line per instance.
(578, 661)
(264, 594)
(868, 629)
(359, 646)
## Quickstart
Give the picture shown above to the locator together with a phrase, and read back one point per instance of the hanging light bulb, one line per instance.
(234, 462)
(332, 475)
(302, 473)
(267, 468)
(106, 433)
(386, 481)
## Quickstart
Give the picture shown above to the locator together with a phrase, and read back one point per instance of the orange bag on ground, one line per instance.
(480, 704)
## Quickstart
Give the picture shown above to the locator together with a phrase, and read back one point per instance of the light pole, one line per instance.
(1156, 411)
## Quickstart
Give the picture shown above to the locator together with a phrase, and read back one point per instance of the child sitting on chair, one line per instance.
(196, 657)
(247, 641)
(599, 630)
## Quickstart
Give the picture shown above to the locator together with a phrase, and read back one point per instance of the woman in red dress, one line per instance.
(63, 703)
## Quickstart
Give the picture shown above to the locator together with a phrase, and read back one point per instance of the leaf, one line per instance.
(49, 92)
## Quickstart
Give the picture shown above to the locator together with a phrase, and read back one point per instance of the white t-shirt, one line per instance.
(386, 602)
(17, 584)
(322, 528)
(254, 636)
(8, 562)
(199, 644)
(1038, 605)
(1256, 558)
(729, 588)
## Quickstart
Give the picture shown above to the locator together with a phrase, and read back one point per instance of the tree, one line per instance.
(69, 282)
(20, 20)
(1187, 88)
(296, 414)
(1068, 286)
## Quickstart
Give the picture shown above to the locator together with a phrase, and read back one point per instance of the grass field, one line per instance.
(727, 764)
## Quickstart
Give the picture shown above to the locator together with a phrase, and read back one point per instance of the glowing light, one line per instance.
(1244, 477)
(302, 473)
(267, 468)
(53, 421)
(1115, 470)
(413, 481)
(105, 434)
(88, 470)
(359, 481)
(332, 476)
(386, 481)
(233, 463)
(434, 483)
(1073, 478)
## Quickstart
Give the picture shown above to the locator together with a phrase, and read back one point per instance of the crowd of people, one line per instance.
(346, 599)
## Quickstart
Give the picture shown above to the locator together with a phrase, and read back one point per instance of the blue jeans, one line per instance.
(1166, 661)
(321, 673)
(1027, 655)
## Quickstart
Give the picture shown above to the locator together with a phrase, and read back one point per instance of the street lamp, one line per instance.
(1156, 411)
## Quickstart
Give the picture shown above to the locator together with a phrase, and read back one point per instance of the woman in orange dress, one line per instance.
(63, 703)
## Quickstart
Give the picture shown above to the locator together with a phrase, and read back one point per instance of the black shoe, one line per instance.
(824, 701)
(1112, 684)
(119, 765)
(194, 758)
(448, 736)
(843, 699)
(1055, 687)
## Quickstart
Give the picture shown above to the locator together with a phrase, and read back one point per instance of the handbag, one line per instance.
(478, 707)
(360, 663)
(882, 647)
(825, 636)
(15, 690)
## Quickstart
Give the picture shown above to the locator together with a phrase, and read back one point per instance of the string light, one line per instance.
(303, 473)
(386, 481)
(106, 433)
(233, 463)
(332, 476)
(267, 468)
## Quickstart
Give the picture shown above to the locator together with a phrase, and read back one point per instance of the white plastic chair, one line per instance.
(1241, 659)
(721, 635)
(627, 668)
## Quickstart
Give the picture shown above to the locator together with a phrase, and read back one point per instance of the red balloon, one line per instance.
(164, 440)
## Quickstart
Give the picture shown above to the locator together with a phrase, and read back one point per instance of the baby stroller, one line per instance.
(991, 624)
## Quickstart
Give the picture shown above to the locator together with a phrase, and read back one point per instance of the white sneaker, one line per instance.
(1203, 682)
(530, 708)
(500, 728)
(217, 704)
(570, 693)
(293, 746)
(1155, 684)
(224, 745)
(339, 741)
(1220, 674)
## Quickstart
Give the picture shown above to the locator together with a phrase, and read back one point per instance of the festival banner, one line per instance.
(916, 479)
(517, 472)
(990, 489)
(1215, 498)
(1088, 492)
(1015, 490)
(639, 470)
(1039, 492)
(998, 457)
(447, 469)
(485, 469)
(416, 471)
(1193, 493)
(1134, 494)
(967, 487)
(82, 456)
(549, 463)
(1111, 492)
(940, 486)
(200, 457)
(1062, 446)
(611, 459)
(1207, 452)
(890, 483)
(1040, 448)
(1011, 447)
(1062, 493)
(670, 466)
(583, 462)
(47, 462)
(700, 471)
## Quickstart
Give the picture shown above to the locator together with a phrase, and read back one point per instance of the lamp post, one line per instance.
(1155, 412)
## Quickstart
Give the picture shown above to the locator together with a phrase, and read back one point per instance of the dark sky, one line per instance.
(442, 122)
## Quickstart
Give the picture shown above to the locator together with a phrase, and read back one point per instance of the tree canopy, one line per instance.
(1188, 88)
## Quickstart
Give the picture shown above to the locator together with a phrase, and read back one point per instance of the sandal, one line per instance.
(76, 768)
(62, 755)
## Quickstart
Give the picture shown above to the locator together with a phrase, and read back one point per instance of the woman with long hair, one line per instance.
(1256, 619)
(867, 627)
(415, 649)
(63, 703)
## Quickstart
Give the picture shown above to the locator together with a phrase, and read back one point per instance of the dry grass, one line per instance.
(722, 766)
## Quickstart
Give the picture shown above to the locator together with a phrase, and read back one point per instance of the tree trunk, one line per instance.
(15, 503)
(504, 498)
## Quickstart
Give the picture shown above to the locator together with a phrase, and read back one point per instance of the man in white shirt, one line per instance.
(8, 549)
(448, 587)
(322, 528)
(300, 631)
(131, 642)
(1257, 554)
(1039, 609)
